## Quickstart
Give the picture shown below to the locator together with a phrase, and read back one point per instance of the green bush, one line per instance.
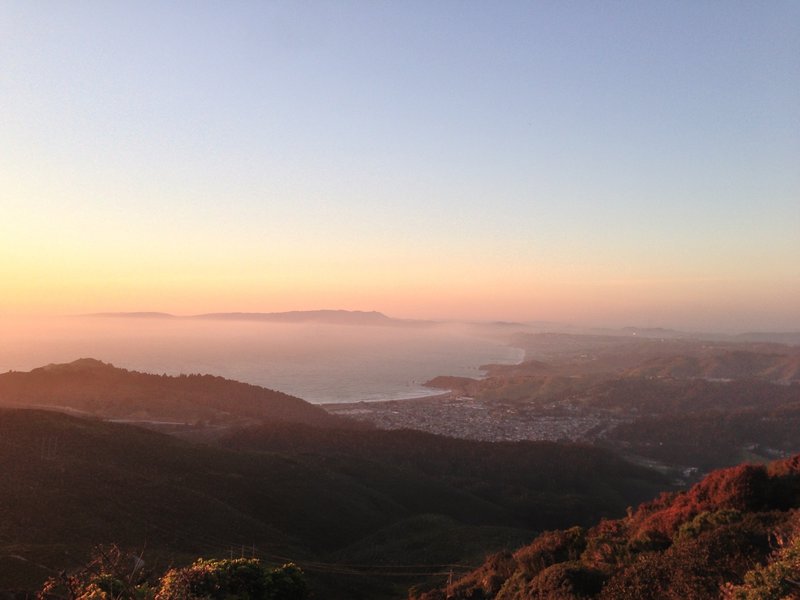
(236, 579)
(108, 576)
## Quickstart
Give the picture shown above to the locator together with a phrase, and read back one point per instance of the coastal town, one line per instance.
(470, 418)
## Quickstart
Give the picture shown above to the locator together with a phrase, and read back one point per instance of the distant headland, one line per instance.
(339, 317)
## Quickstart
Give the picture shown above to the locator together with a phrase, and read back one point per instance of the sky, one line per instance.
(618, 163)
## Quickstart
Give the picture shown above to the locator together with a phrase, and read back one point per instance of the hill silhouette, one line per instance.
(735, 534)
(99, 389)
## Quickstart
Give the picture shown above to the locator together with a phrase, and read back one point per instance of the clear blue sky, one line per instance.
(598, 161)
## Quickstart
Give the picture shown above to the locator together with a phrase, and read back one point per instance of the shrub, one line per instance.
(236, 579)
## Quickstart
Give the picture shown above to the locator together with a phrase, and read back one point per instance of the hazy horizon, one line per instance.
(697, 325)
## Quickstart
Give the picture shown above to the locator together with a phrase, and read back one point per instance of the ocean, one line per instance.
(321, 363)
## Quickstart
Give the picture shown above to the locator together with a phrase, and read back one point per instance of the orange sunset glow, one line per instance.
(261, 176)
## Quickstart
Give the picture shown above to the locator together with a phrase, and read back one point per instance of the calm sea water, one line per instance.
(320, 363)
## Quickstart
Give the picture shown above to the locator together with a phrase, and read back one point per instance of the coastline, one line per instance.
(342, 408)
(425, 396)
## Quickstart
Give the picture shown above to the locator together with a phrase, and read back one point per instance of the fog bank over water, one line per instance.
(318, 362)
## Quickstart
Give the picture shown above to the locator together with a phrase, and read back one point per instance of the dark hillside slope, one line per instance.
(102, 390)
(736, 534)
(70, 483)
(538, 483)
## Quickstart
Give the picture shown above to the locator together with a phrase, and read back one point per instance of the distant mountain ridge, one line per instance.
(601, 335)
(337, 317)
(352, 317)
(728, 364)
(134, 315)
(578, 354)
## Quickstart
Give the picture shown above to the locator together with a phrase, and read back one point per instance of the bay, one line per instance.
(321, 363)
